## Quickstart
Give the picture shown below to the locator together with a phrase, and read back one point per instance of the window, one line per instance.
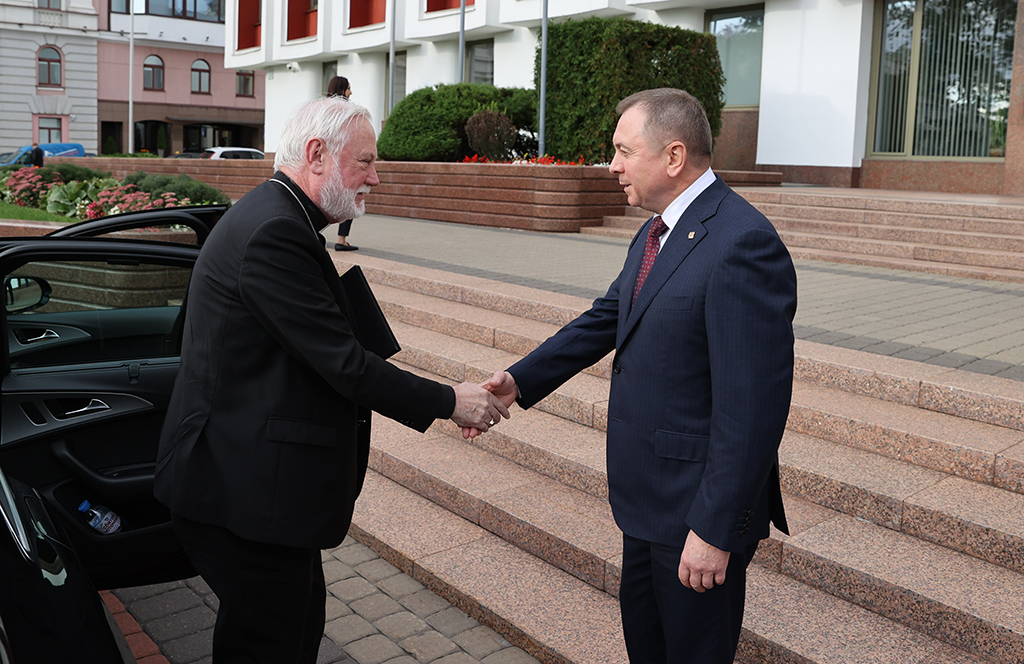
(201, 77)
(201, 10)
(49, 4)
(206, 10)
(153, 73)
(366, 12)
(480, 62)
(249, 29)
(86, 308)
(942, 78)
(441, 5)
(50, 130)
(49, 67)
(301, 19)
(244, 83)
(739, 33)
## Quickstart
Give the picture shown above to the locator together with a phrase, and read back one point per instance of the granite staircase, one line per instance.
(904, 485)
(964, 238)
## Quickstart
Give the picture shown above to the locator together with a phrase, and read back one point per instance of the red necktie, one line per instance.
(658, 228)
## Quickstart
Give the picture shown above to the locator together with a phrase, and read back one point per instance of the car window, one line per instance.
(76, 312)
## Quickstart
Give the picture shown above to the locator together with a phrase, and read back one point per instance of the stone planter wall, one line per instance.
(235, 177)
(540, 198)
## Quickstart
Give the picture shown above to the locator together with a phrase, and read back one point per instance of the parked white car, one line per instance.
(231, 153)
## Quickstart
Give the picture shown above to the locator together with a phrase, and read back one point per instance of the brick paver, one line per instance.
(377, 615)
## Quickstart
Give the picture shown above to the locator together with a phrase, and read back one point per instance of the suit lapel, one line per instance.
(686, 234)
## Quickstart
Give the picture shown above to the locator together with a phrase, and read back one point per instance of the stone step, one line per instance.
(988, 455)
(626, 222)
(899, 429)
(548, 613)
(958, 223)
(570, 529)
(565, 448)
(910, 265)
(606, 231)
(574, 531)
(787, 621)
(980, 520)
(984, 258)
(963, 601)
(975, 519)
(929, 439)
(924, 236)
(559, 618)
(894, 202)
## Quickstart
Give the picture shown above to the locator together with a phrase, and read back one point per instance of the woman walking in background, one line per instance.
(339, 87)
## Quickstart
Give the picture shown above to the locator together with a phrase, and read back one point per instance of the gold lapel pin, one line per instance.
(690, 236)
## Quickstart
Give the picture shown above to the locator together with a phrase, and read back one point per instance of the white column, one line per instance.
(431, 63)
(514, 53)
(286, 90)
(814, 82)
(367, 73)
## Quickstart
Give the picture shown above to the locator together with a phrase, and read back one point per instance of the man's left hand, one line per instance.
(702, 566)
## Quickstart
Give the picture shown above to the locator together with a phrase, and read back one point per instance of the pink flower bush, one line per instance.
(128, 198)
(542, 161)
(27, 188)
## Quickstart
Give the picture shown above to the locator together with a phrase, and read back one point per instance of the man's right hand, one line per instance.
(501, 385)
(476, 409)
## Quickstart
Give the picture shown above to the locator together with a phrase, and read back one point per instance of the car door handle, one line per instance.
(95, 406)
(47, 334)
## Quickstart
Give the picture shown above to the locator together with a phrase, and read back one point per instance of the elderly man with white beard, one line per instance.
(265, 443)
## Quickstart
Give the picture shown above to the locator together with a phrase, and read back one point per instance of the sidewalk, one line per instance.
(375, 615)
(378, 615)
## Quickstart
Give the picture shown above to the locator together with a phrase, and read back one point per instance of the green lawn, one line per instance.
(8, 211)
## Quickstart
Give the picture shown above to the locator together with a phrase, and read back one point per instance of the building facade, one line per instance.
(882, 93)
(48, 73)
(182, 90)
(65, 70)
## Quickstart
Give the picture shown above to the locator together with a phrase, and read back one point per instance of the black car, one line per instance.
(92, 328)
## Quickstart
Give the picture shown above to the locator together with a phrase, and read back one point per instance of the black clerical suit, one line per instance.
(265, 445)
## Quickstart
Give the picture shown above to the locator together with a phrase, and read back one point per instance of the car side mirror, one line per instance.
(23, 294)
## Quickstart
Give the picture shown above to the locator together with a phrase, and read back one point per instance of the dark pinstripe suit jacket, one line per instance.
(702, 376)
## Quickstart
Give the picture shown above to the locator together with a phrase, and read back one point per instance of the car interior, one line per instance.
(92, 336)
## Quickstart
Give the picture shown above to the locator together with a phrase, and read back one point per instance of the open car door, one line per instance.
(91, 333)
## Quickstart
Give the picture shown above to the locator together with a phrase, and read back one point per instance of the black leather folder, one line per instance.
(372, 327)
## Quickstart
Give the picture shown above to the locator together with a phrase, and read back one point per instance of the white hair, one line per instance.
(330, 119)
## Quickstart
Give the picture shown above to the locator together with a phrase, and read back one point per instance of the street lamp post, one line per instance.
(542, 108)
(131, 76)
(462, 41)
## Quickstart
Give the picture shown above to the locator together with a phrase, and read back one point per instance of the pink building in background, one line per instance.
(184, 99)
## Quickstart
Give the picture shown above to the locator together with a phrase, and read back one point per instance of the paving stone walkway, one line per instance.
(375, 615)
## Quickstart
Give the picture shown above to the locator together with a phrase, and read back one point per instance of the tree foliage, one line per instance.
(596, 62)
(430, 123)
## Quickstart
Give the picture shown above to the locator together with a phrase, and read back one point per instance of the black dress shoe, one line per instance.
(345, 247)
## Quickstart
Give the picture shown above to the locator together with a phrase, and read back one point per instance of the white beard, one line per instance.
(338, 203)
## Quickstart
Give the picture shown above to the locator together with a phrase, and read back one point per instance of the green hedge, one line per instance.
(596, 62)
(182, 185)
(69, 172)
(430, 123)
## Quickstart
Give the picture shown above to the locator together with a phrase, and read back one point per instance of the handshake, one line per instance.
(479, 407)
